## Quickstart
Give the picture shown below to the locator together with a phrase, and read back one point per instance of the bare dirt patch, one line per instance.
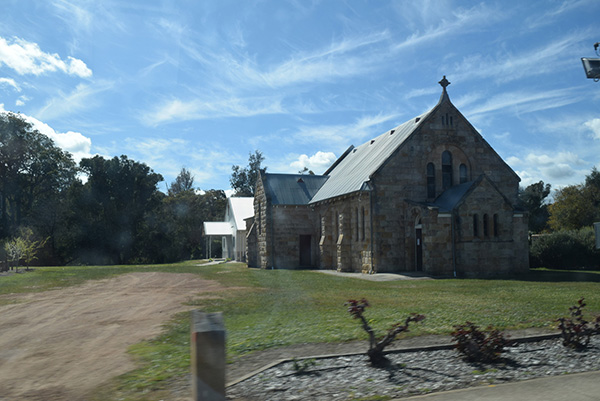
(60, 344)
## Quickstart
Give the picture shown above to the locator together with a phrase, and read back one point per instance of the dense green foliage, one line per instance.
(243, 179)
(104, 211)
(567, 249)
(576, 206)
(533, 200)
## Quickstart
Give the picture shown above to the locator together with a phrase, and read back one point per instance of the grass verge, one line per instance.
(266, 309)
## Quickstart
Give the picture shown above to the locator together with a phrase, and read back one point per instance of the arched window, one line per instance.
(362, 226)
(463, 173)
(485, 226)
(430, 180)
(475, 225)
(446, 170)
(356, 224)
(496, 228)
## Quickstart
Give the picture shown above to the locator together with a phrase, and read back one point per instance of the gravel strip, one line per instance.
(413, 372)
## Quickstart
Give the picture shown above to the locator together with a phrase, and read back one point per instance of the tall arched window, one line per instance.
(355, 224)
(430, 180)
(362, 225)
(463, 173)
(496, 228)
(485, 226)
(475, 225)
(446, 170)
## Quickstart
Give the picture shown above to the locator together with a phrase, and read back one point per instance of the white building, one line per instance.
(232, 230)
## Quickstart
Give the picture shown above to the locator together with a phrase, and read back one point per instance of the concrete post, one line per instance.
(208, 356)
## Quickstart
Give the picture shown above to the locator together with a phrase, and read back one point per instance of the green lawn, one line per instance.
(271, 308)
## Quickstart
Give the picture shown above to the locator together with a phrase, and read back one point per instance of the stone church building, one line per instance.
(430, 195)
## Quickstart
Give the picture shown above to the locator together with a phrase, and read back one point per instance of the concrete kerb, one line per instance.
(437, 347)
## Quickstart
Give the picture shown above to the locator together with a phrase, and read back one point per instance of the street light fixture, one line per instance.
(592, 65)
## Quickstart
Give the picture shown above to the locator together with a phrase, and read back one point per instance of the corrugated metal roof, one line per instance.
(361, 162)
(241, 208)
(292, 189)
(217, 228)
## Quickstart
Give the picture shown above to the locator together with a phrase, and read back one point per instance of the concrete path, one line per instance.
(378, 276)
(575, 387)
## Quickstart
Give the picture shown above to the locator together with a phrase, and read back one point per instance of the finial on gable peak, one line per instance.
(444, 82)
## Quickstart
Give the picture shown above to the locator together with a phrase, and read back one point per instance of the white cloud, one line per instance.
(21, 101)
(73, 142)
(10, 82)
(594, 126)
(179, 110)
(27, 58)
(317, 163)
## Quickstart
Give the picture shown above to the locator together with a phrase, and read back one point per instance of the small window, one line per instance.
(496, 227)
(430, 180)
(463, 173)
(362, 226)
(485, 226)
(259, 219)
(356, 224)
(475, 225)
(446, 170)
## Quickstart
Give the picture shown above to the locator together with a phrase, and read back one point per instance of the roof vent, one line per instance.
(300, 180)
(392, 132)
(372, 141)
(417, 119)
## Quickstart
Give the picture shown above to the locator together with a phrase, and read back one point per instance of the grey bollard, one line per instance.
(208, 356)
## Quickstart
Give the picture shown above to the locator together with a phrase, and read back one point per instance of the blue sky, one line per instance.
(201, 84)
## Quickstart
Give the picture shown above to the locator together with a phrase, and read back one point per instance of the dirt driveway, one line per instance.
(60, 344)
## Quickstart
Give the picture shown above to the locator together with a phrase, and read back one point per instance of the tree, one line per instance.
(183, 182)
(109, 209)
(576, 206)
(533, 199)
(32, 169)
(243, 180)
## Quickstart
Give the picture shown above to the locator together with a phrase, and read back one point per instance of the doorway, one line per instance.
(305, 251)
(419, 248)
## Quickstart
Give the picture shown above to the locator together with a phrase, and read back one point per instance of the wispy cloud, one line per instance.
(553, 11)
(206, 164)
(526, 102)
(181, 110)
(339, 137)
(10, 82)
(27, 58)
(459, 21)
(83, 97)
(547, 59)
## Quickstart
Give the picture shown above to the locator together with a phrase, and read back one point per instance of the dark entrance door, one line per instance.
(305, 251)
(419, 248)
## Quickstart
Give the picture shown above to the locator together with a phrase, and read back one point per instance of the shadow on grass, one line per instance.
(555, 276)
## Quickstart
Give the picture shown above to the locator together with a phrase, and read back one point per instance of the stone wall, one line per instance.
(345, 239)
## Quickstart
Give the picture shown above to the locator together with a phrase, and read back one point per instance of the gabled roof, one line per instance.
(448, 199)
(241, 208)
(355, 168)
(454, 196)
(292, 189)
